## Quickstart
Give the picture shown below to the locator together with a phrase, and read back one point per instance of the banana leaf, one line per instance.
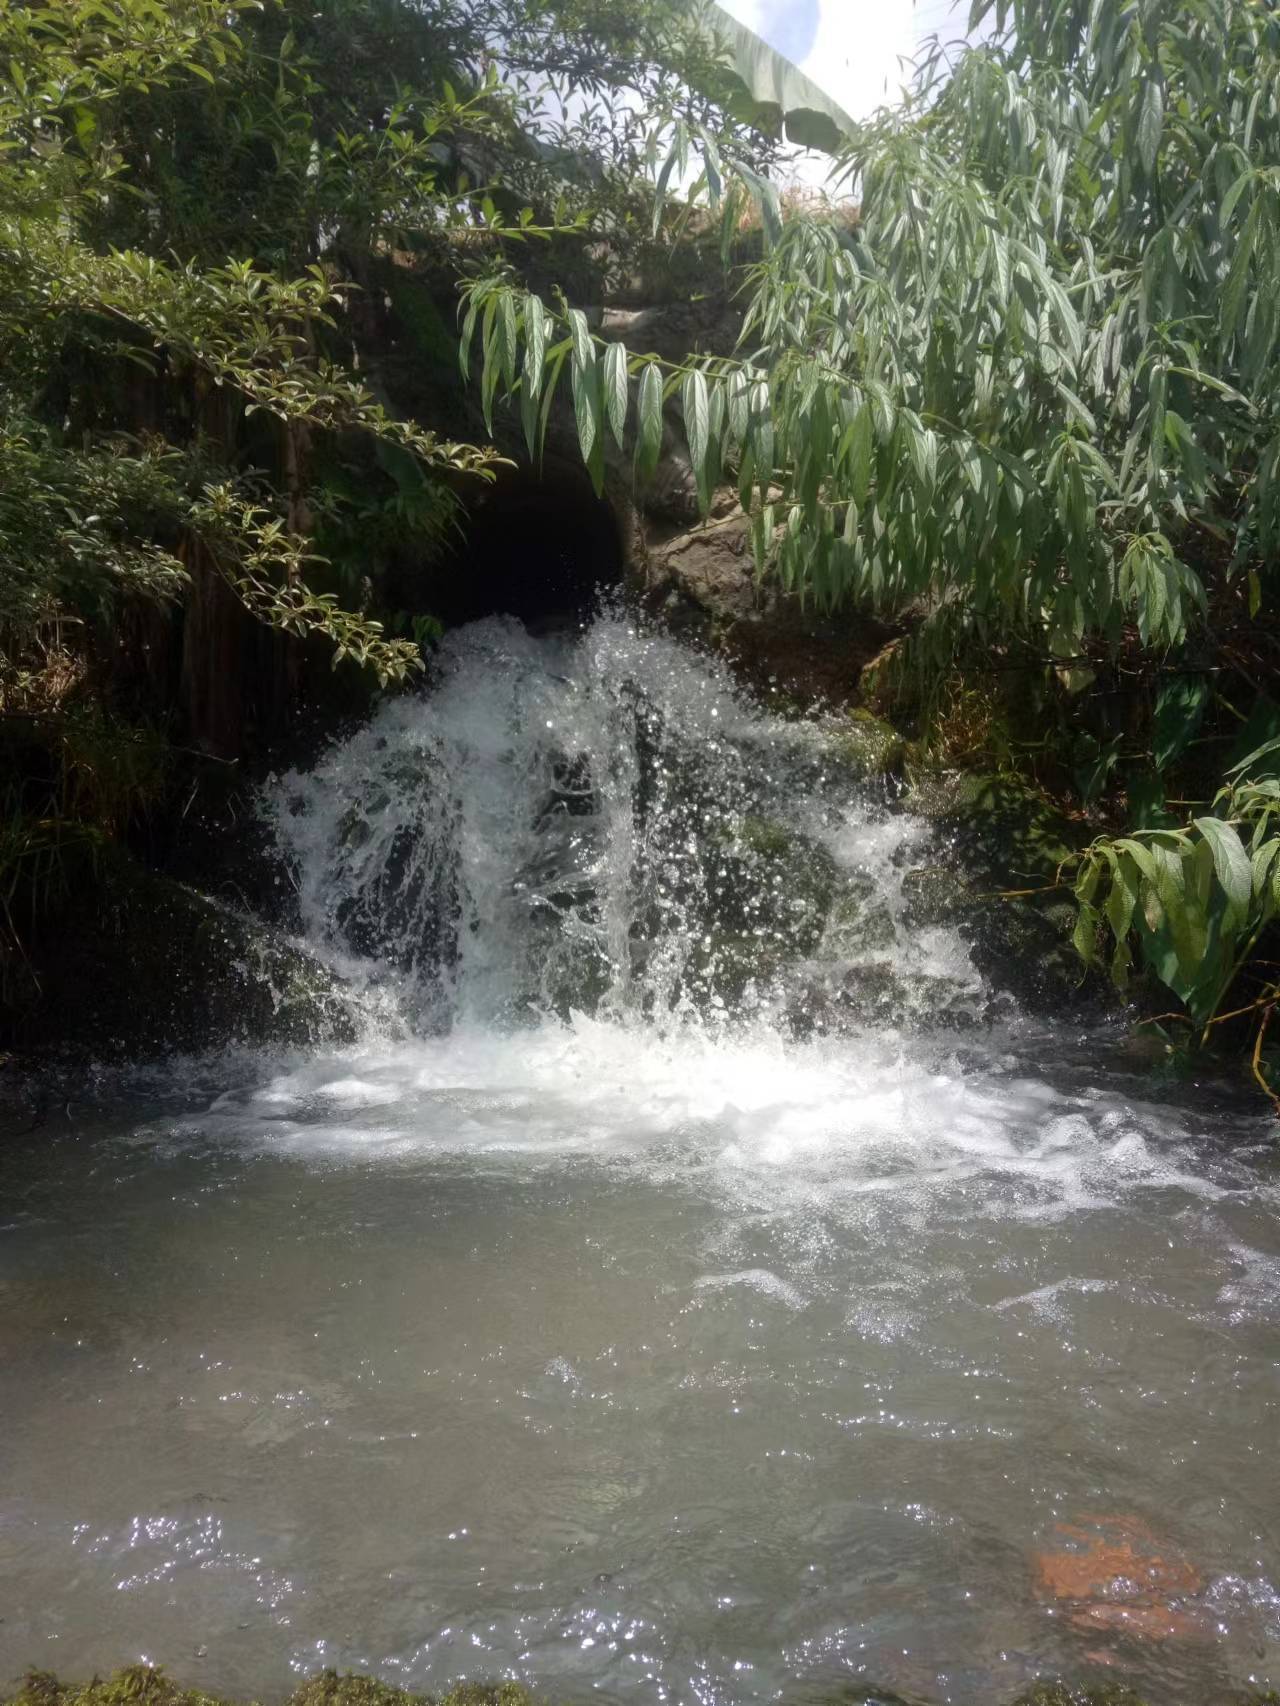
(768, 90)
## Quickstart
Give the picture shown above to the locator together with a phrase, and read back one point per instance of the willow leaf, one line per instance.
(649, 434)
(587, 402)
(697, 422)
(617, 389)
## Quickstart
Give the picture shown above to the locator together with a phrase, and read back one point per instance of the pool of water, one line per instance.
(648, 1362)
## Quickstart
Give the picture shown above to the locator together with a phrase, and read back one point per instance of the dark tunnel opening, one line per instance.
(536, 544)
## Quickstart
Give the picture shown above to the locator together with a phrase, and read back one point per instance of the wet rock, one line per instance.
(1112, 1573)
(773, 884)
(860, 920)
(846, 999)
(140, 1685)
(135, 964)
(702, 583)
(993, 870)
(143, 1685)
(999, 824)
(710, 571)
(863, 745)
(674, 330)
(1066, 1694)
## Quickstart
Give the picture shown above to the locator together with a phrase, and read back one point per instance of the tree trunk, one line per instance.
(214, 654)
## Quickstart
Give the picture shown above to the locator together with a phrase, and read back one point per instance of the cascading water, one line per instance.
(601, 824)
(690, 1289)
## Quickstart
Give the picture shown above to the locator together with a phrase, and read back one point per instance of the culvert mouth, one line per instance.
(536, 544)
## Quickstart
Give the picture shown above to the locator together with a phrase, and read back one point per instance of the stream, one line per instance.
(696, 1285)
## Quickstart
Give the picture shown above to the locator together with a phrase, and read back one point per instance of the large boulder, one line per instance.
(132, 964)
(673, 331)
(701, 582)
(710, 572)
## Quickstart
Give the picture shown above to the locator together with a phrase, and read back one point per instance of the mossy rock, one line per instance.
(998, 825)
(768, 879)
(998, 849)
(865, 745)
(722, 968)
(1065, 1694)
(132, 964)
(767, 837)
(854, 747)
(859, 920)
(143, 1685)
(847, 999)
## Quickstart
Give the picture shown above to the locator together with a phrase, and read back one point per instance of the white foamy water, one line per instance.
(642, 1308)
(602, 823)
(751, 1115)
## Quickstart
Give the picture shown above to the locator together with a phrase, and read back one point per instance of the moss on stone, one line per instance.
(766, 836)
(770, 884)
(859, 919)
(998, 850)
(142, 1685)
(866, 745)
(1062, 1694)
(999, 824)
(1120, 1694)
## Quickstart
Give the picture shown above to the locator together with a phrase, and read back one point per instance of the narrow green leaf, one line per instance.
(697, 423)
(507, 338)
(649, 435)
(535, 338)
(617, 390)
(1179, 707)
(1084, 938)
(587, 402)
(1151, 122)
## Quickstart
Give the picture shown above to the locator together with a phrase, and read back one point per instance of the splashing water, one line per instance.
(603, 824)
(690, 1288)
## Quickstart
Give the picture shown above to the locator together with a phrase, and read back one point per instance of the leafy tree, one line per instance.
(194, 191)
(91, 509)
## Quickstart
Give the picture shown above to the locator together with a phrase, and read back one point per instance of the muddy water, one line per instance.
(653, 1366)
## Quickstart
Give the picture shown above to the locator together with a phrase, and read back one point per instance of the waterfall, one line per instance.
(603, 823)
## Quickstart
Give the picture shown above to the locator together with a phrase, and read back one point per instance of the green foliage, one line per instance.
(1195, 898)
(263, 562)
(142, 1685)
(1039, 373)
(195, 191)
(211, 217)
(70, 778)
(85, 523)
(80, 530)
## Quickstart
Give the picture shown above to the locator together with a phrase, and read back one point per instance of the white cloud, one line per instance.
(855, 54)
(753, 13)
